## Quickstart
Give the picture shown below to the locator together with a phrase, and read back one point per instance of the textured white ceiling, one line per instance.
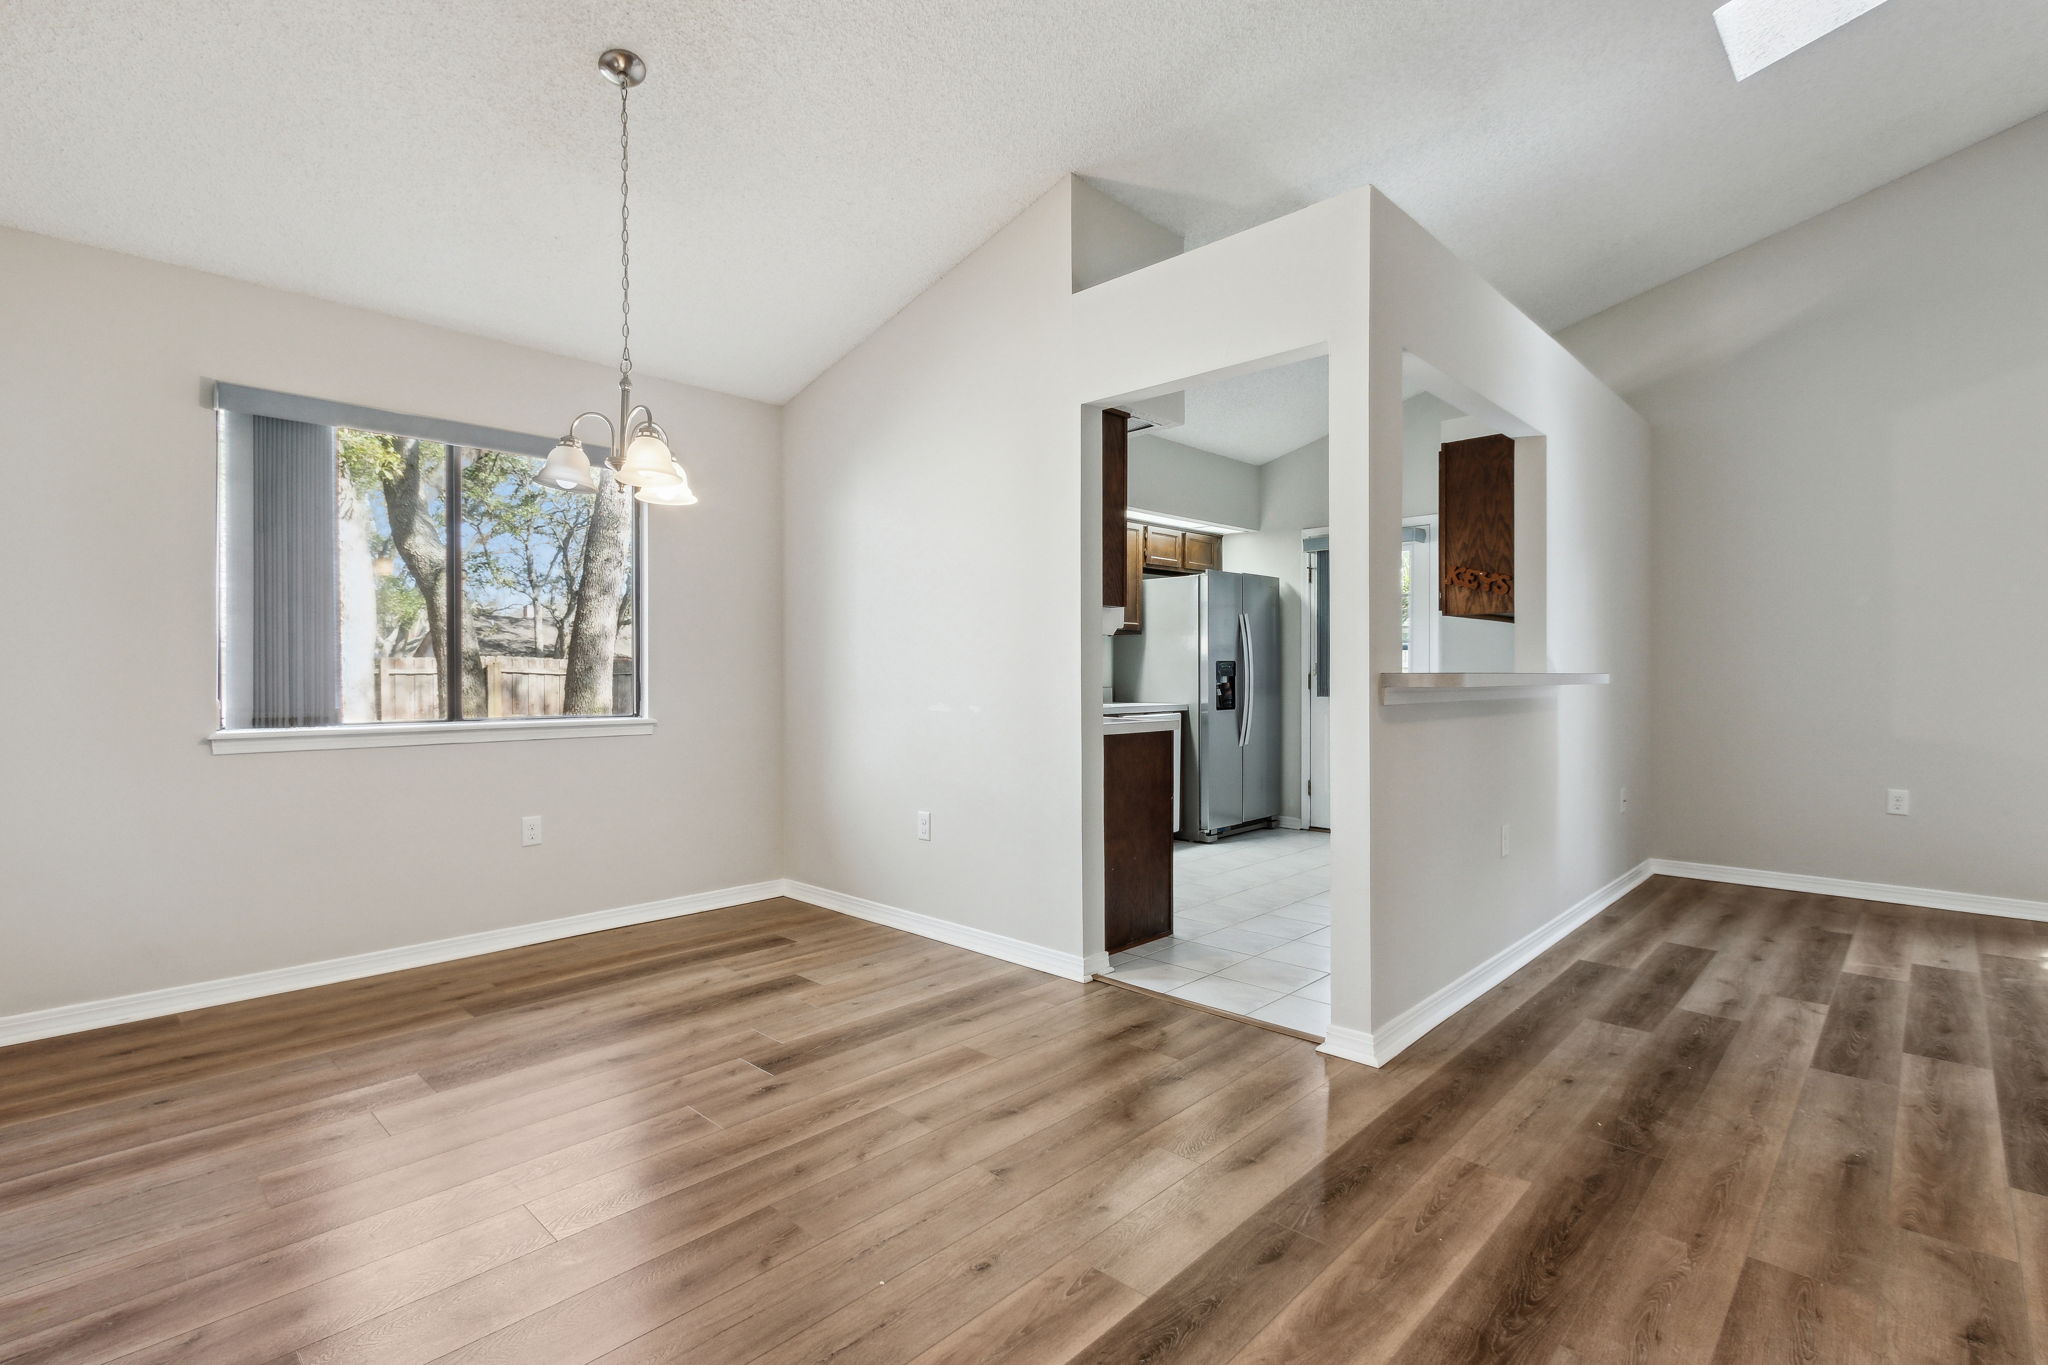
(805, 169)
(1258, 416)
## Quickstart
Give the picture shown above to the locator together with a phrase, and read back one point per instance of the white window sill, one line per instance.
(398, 734)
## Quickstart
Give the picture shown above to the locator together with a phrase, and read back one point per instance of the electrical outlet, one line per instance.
(1503, 841)
(1898, 801)
(529, 830)
(924, 825)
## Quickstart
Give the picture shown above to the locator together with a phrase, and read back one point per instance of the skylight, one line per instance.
(1759, 32)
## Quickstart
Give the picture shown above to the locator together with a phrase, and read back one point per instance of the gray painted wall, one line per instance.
(921, 674)
(1182, 481)
(1851, 436)
(136, 859)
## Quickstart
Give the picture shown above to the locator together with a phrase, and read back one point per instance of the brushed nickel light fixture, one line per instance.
(640, 456)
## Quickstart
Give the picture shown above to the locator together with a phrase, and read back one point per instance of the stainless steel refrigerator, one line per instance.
(1211, 642)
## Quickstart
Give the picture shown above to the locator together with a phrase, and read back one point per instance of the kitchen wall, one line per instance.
(1422, 899)
(1183, 481)
(1851, 469)
(1292, 289)
(134, 857)
(1294, 495)
(1447, 777)
(938, 626)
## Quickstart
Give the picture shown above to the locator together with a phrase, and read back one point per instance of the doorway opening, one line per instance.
(1226, 904)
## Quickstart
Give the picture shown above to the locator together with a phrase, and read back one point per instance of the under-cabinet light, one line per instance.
(1176, 523)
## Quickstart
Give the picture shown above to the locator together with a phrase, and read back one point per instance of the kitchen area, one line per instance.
(1217, 686)
(1216, 894)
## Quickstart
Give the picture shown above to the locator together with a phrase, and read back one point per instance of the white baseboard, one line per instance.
(1372, 1049)
(92, 1014)
(2007, 907)
(1390, 1039)
(1349, 1043)
(1069, 965)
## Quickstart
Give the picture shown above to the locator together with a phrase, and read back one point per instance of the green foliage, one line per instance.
(521, 541)
(401, 614)
(370, 457)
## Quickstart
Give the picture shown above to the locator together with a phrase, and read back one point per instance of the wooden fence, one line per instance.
(514, 685)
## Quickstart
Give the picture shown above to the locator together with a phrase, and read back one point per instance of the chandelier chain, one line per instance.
(625, 253)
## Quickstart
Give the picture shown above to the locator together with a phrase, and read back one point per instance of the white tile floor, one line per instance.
(1251, 930)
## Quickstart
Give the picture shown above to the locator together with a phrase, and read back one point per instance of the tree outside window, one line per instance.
(540, 621)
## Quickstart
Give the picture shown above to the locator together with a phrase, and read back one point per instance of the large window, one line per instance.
(385, 570)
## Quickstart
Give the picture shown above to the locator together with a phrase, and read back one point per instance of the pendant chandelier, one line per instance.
(640, 456)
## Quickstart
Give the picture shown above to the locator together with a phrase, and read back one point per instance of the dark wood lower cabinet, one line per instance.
(1137, 837)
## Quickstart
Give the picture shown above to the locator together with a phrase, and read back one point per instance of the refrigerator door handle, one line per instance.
(1251, 680)
(1252, 653)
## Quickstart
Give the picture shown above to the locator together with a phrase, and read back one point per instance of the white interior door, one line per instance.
(1316, 644)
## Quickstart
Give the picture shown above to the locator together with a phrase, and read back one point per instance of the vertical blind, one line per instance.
(295, 649)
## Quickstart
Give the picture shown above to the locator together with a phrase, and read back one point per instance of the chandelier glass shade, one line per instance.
(675, 494)
(648, 462)
(568, 468)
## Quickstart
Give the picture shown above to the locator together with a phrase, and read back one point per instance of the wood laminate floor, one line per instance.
(1715, 1124)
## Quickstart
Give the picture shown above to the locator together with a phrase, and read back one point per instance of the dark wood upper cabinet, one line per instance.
(1162, 552)
(1134, 575)
(1162, 548)
(1476, 527)
(1116, 489)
